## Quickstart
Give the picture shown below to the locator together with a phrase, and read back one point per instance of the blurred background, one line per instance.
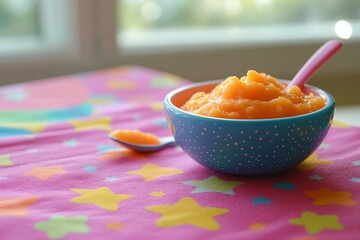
(197, 40)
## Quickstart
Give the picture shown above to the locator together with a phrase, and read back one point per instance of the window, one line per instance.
(34, 26)
(198, 40)
(151, 24)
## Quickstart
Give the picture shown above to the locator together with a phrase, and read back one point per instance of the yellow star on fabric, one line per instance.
(44, 173)
(152, 171)
(187, 211)
(157, 106)
(324, 196)
(313, 161)
(102, 197)
(157, 194)
(340, 124)
(32, 127)
(86, 124)
(315, 223)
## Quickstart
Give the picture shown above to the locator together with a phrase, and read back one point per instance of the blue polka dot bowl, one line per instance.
(246, 147)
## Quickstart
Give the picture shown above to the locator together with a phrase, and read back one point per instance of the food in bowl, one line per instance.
(246, 147)
(255, 96)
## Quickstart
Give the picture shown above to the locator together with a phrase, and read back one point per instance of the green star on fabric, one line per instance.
(214, 184)
(163, 82)
(315, 223)
(5, 160)
(59, 226)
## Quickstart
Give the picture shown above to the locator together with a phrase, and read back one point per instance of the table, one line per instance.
(62, 178)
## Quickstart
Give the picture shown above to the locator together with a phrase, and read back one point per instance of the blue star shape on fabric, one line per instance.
(71, 143)
(315, 177)
(324, 146)
(261, 200)
(136, 116)
(161, 122)
(105, 148)
(288, 186)
(356, 163)
(111, 179)
(15, 96)
(90, 168)
(355, 179)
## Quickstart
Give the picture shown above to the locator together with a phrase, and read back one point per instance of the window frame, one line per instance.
(55, 56)
(94, 35)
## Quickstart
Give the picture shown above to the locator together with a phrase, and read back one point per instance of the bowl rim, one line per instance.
(330, 103)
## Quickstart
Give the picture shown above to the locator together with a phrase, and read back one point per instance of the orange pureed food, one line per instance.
(136, 137)
(255, 96)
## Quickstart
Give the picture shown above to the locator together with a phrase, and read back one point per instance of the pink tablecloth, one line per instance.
(62, 178)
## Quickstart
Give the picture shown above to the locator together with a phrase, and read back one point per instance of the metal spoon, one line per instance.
(165, 142)
(324, 53)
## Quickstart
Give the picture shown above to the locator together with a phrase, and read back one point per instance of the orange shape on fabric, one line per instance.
(17, 207)
(308, 238)
(121, 84)
(116, 226)
(325, 196)
(312, 161)
(257, 226)
(44, 173)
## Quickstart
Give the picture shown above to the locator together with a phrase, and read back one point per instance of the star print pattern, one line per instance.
(102, 197)
(157, 194)
(214, 184)
(5, 160)
(315, 223)
(151, 171)
(288, 186)
(44, 173)
(89, 124)
(104, 190)
(59, 226)
(312, 162)
(71, 143)
(90, 168)
(114, 226)
(355, 179)
(17, 206)
(17, 96)
(261, 200)
(188, 211)
(325, 196)
(356, 163)
(316, 177)
(257, 226)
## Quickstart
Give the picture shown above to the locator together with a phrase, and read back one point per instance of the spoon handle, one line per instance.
(315, 61)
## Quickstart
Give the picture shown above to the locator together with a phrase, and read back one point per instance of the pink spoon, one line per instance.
(324, 53)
